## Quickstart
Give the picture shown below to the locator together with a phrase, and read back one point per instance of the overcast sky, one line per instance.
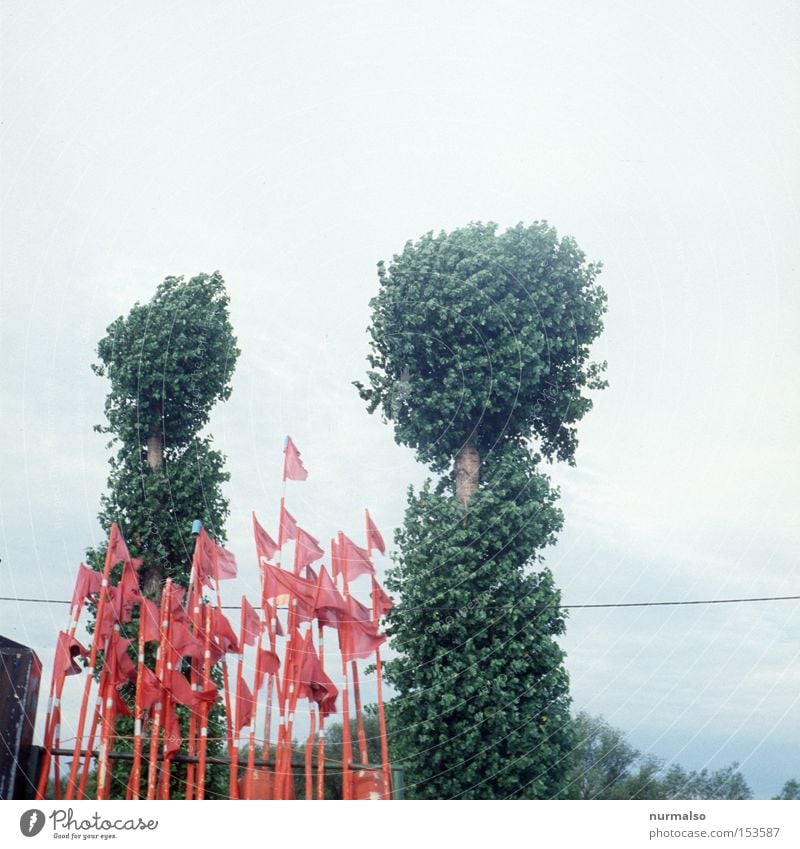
(292, 146)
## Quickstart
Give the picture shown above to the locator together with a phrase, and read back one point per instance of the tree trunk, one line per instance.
(155, 450)
(466, 471)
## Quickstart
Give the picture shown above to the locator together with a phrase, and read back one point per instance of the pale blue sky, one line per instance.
(292, 147)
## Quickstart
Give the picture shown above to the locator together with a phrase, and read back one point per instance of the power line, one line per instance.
(563, 606)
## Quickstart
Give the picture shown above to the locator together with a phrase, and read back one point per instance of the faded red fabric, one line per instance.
(87, 584)
(293, 468)
(374, 538)
(265, 544)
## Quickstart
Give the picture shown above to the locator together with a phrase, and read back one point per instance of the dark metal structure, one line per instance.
(20, 674)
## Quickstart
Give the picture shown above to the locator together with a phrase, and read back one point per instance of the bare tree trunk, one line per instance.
(155, 450)
(466, 471)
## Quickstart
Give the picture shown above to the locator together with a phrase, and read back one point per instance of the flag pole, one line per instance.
(138, 714)
(379, 671)
(347, 749)
(204, 707)
(321, 735)
(155, 722)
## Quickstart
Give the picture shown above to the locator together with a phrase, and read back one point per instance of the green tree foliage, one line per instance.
(484, 338)
(605, 766)
(791, 790)
(480, 357)
(168, 362)
(482, 710)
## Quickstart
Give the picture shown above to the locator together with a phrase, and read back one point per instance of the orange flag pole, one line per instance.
(309, 762)
(138, 715)
(107, 719)
(203, 746)
(321, 735)
(347, 747)
(155, 723)
(385, 769)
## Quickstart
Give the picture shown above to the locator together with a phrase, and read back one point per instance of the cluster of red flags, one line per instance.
(192, 635)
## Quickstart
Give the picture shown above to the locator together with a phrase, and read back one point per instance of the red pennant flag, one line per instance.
(120, 706)
(67, 650)
(314, 683)
(151, 689)
(181, 690)
(125, 667)
(374, 538)
(293, 468)
(185, 644)
(380, 600)
(362, 638)
(128, 592)
(358, 611)
(149, 620)
(222, 630)
(172, 730)
(251, 623)
(307, 550)
(87, 584)
(288, 528)
(329, 605)
(278, 582)
(265, 545)
(245, 705)
(351, 559)
(267, 663)
(212, 560)
(117, 550)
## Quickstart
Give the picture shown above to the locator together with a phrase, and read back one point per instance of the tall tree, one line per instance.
(480, 358)
(168, 362)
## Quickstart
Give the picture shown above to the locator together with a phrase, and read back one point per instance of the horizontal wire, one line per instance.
(561, 607)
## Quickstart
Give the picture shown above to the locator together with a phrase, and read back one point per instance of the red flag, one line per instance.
(181, 690)
(329, 605)
(352, 560)
(380, 600)
(288, 528)
(151, 689)
(361, 634)
(270, 613)
(359, 611)
(184, 643)
(363, 639)
(149, 620)
(267, 663)
(307, 550)
(279, 582)
(67, 650)
(110, 618)
(293, 468)
(222, 630)
(245, 705)
(251, 623)
(374, 538)
(120, 706)
(265, 545)
(212, 560)
(117, 550)
(172, 729)
(125, 667)
(87, 583)
(128, 592)
(314, 683)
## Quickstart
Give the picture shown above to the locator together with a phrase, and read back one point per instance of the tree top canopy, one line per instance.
(169, 361)
(483, 337)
